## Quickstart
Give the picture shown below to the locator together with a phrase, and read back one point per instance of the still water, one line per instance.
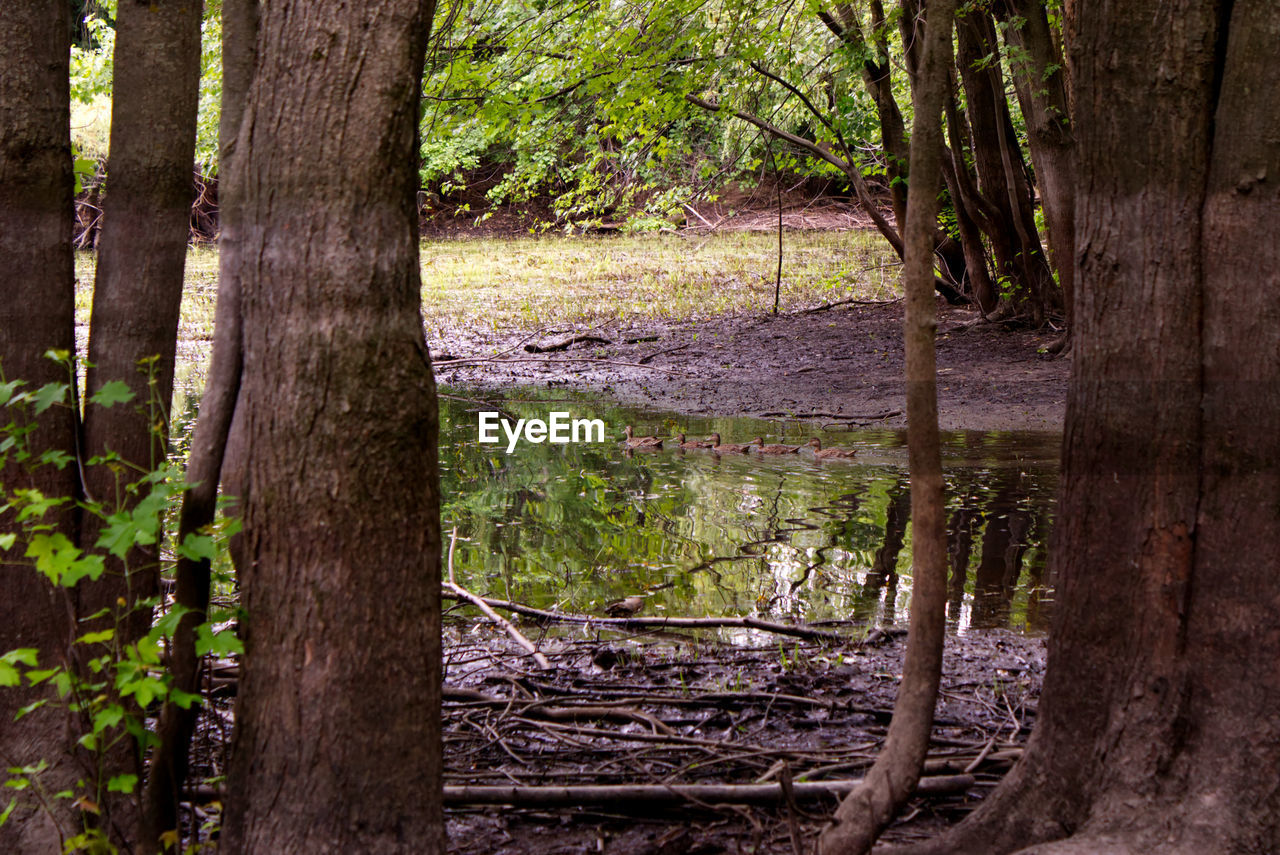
(574, 527)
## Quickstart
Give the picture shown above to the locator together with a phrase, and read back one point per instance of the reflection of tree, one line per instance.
(884, 570)
(964, 525)
(1003, 544)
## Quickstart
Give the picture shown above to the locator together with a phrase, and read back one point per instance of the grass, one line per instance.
(494, 287)
(503, 285)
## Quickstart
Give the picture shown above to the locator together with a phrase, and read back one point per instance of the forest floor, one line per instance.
(655, 710)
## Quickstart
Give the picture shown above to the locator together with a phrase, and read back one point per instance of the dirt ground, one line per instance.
(842, 365)
(660, 710)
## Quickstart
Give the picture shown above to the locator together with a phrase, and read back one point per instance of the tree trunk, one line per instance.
(338, 743)
(169, 760)
(868, 809)
(1159, 706)
(1040, 81)
(37, 303)
(1006, 195)
(138, 287)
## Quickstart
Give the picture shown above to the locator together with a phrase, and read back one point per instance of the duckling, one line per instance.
(693, 443)
(830, 453)
(728, 447)
(773, 449)
(641, 441)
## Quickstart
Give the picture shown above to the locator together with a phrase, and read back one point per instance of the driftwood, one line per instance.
(666, 622)
(652, 795)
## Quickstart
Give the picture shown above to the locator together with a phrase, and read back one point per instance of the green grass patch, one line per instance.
(502, 285)
(510, 285)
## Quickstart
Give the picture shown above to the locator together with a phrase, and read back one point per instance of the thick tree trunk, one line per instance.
(867, 810)
(1159, 706)
(37, 302)
(338, 742)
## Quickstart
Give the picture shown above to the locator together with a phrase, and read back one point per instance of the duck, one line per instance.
(624, 608)
(728, 447)
(773, 449)
(693, 443)
(641, 441)
(830, 453)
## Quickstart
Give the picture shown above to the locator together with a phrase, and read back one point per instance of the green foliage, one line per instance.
(586, 102)
(120, 679)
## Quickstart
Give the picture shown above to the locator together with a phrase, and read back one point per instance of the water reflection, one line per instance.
(577, 526)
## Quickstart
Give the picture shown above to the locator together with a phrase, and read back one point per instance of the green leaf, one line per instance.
(4, 815)
(107, 717)
(122, 783)
(7, 390)
(112, 393)
(7, 541)
(9, 675)
(223, 644)
(30, 708)
(48, 395)
(55, 555)
(184, 700)
(96, 637)
(198, 547)
(57, 457)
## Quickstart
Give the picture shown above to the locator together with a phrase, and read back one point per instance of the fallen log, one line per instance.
(651, 795)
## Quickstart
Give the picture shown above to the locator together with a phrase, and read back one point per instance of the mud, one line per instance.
(841, 365)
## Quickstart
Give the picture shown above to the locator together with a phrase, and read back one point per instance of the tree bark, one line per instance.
(138, 286)
(866, 811)
(169, 760)
(37, 304)
(338, 743)
(1160, 698)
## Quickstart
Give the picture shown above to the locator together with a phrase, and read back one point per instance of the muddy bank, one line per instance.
(841, 365)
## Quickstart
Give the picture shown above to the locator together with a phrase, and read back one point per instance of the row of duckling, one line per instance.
(715, 444)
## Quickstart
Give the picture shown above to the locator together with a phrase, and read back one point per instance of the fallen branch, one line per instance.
(462, 593)
(566, 343)
(651, 795)
(848, 417)
(852, 302)
(667, 622)
(454, 363)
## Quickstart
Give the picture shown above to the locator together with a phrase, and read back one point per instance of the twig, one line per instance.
(458, 591)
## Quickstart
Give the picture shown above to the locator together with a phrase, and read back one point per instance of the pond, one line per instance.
(574, 527)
